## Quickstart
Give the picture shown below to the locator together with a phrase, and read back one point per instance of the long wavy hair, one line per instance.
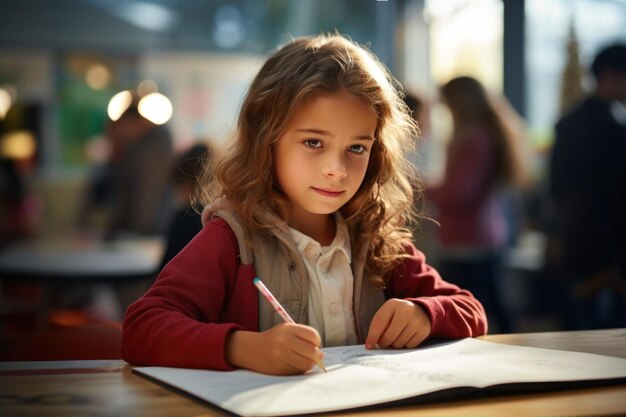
(297, 72)
(472, 106)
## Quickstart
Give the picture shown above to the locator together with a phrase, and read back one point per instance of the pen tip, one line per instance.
(255, 280)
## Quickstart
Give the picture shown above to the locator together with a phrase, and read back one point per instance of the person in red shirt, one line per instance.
(485, 167)
(312, 197)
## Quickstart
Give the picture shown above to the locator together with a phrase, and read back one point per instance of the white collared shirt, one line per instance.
(330, 285)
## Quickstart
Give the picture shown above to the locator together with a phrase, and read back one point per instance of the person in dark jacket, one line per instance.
(588, 188)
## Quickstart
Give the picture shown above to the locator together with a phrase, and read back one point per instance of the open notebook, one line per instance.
(358, 377)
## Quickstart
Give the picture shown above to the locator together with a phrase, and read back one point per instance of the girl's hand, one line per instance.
(285, 349)
(399, 324)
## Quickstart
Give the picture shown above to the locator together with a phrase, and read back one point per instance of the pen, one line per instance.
(279, 309)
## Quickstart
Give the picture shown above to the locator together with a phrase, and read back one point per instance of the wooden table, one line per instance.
(109, 388)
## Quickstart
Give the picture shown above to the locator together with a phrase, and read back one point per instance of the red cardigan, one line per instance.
(204, 293)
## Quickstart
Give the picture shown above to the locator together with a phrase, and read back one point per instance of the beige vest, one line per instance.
(279, 264)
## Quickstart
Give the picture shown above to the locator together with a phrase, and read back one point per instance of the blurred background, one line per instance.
(70, 69)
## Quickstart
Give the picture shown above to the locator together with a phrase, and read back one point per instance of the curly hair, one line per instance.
(305, 68)
(471, 104)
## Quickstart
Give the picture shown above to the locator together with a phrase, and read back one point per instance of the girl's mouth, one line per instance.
(328, 193)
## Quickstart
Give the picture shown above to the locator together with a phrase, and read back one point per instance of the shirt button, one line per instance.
(333, 308)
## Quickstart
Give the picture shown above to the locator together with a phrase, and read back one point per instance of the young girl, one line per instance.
(313, 197)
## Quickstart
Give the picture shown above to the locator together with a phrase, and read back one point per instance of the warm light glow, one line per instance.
(6, 100)
(97, 76)
(155, 107)
(146, 87)
(460, 47)
(19, 144)
(118, 104)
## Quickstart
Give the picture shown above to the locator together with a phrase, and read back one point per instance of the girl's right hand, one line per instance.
(285, 349)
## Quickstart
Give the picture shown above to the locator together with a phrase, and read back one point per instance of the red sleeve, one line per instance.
(176, 323)
(454, 312)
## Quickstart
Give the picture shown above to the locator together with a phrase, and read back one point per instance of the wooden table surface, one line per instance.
(109, 388)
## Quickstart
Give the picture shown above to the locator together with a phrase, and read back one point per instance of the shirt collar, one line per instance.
(341, 242)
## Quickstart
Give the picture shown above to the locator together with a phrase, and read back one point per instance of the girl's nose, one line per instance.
(335, 166)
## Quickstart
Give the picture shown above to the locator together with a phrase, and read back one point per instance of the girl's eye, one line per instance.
(358, 149)
(313, 143)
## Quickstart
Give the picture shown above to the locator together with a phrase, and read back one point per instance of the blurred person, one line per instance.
(130, 194)
(186, 222)
(103, 153)
(140, 187)
(587, 186)
(484, 159)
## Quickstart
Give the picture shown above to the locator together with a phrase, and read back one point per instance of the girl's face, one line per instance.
(322, 158)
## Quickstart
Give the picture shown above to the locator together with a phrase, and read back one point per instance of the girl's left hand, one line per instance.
(398, 324)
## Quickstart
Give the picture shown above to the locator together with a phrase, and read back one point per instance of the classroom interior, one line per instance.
(62, 63)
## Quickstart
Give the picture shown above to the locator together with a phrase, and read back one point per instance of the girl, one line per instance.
(312, 198)
(484, 157)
